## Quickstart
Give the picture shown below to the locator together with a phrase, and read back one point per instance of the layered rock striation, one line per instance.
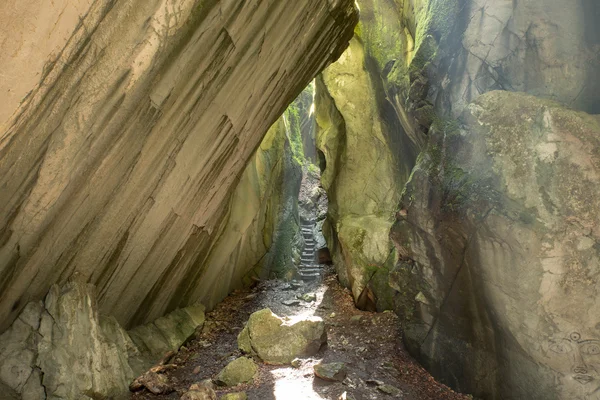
(126, 131)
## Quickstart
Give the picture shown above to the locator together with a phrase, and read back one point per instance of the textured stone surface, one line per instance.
(501, 237)
(240, 370)
(275, 342)
(495, 263)
(51, 342)
(362, 177)
(120, 161)
(199, 392)
(331, 371)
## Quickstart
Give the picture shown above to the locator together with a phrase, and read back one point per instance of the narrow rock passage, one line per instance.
(368, 343)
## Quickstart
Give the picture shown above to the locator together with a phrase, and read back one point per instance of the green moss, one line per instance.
(293, 117)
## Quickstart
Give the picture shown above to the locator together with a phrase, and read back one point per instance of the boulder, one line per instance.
(502, 227)
(240, 370)
(278, 342)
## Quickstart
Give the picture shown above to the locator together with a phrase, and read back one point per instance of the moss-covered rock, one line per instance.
(275, 342)
(240, 370)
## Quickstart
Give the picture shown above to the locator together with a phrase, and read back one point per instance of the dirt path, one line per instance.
(368, 343)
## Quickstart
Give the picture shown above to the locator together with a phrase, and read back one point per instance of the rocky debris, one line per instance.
(331, 371)
(199, 392)
(293, 285)
(291, 303)
(389, 389)
(155, 382)
(274, 341)
(235, 396)
(240, 370)
(307, 297)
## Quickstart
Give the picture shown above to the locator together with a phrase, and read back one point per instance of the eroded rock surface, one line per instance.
(495, 238)
(276, 342)
(503, 233)
(120, 162)
(52, 342)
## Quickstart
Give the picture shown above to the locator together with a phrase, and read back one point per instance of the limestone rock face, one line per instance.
(64, 338)
(493, 263)
(500, 230)
(362, 177)
(52, 342)
(276, 342)
(125, 130)
(445, 53)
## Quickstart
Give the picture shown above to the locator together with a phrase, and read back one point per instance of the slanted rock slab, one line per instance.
(277, 342)
(240, 370)
(331, 372)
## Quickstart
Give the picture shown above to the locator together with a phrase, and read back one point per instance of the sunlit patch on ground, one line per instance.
(293, 384)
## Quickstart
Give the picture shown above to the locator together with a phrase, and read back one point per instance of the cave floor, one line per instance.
(369, 343)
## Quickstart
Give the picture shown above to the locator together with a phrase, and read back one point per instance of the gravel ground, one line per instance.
(369, 343)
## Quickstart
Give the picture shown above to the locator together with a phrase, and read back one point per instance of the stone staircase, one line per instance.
(309, 268)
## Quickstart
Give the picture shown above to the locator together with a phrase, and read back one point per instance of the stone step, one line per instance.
(306, 270)
(309, 277)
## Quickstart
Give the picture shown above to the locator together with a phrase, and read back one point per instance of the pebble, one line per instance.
(389, 389)
(331, 372)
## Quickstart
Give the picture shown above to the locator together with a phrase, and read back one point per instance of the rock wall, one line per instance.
(124, 128)
(495, 264)
(362, 177)
(62, 348)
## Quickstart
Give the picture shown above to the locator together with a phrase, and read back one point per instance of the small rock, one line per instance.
(199, 392)
(356, 318)
(332, 315)
(291, 303)
(241, 370)
(308, 297)
(348, 382)
(374, 382)
(197, 370)
(235, 396)
(207, 383)
(389, 389)
(331, 372)
(296, 363)
(153, 381)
